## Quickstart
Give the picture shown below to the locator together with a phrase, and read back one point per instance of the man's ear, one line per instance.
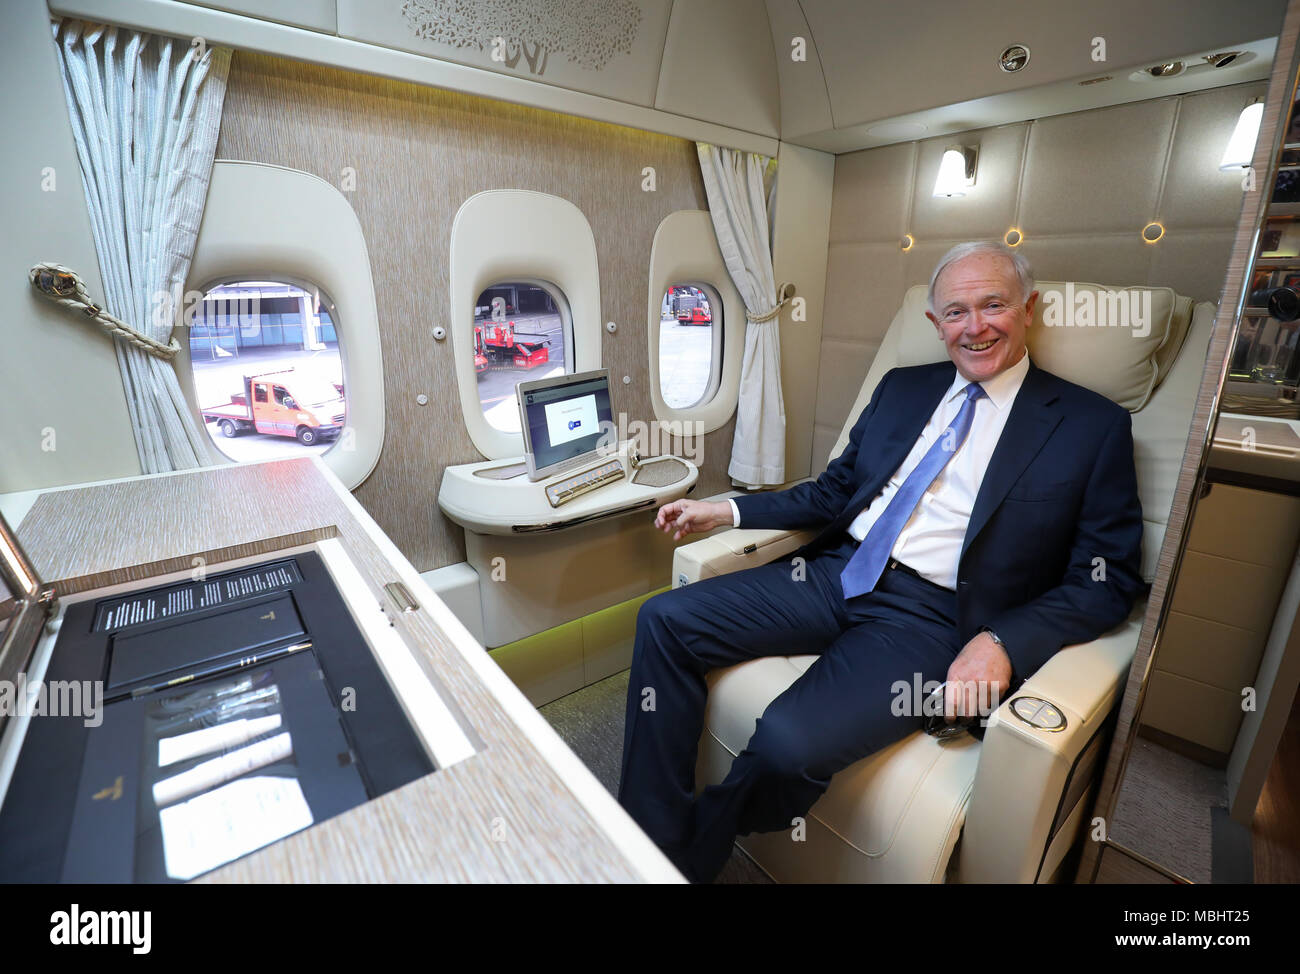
(1029, 308)
(935, 322)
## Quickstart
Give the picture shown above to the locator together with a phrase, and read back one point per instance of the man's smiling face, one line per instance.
(981, 315)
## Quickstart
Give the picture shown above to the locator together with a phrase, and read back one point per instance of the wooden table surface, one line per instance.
(521, 809)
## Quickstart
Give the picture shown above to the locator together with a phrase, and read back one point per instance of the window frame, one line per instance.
(254, 223)
(550, 242)
(685, 251)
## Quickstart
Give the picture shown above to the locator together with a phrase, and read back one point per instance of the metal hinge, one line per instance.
(401, 597)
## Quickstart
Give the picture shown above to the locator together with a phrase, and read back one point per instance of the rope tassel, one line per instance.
(64, 286)
(784, 294)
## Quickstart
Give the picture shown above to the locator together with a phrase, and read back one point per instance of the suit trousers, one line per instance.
(844, 707)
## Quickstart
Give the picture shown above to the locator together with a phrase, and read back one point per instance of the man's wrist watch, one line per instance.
(998, 639)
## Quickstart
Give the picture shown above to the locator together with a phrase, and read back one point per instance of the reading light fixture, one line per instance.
(1241, 147)
(956, 170)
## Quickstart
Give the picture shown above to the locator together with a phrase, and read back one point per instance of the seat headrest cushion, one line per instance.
(1117, 341)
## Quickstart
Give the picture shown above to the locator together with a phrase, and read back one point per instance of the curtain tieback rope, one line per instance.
(784, 293)
(64, 286)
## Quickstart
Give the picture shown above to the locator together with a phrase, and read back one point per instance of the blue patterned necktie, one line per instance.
(864, 569)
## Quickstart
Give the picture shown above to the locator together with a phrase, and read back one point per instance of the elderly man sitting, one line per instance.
(961, 532)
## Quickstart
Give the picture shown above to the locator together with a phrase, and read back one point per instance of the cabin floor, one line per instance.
(591, 721)
(1164, 810)
(1276, 828)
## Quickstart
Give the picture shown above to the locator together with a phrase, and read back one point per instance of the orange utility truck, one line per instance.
(286, 403)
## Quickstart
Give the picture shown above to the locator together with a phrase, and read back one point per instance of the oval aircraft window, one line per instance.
(267, 371)
(521, 331)
(690, 330)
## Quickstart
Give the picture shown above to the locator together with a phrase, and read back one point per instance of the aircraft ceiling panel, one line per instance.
(885, 59)
(610, 48)
(316, 15)
(805, 102)
(718, 66)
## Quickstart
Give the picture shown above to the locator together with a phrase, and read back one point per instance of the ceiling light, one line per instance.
(1223, 59)
(956, 171)
(1014, 58)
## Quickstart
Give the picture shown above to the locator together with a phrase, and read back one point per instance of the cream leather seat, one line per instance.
(1015, 802)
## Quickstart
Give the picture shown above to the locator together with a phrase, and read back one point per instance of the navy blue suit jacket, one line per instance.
(1060, 492)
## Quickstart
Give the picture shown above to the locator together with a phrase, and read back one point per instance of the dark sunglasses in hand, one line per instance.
(935, 725)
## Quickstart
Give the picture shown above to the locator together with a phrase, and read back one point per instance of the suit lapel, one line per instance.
(911, 408)
(1031, 422)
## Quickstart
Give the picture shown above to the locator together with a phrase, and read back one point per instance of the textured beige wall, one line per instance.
(419, 153)
(1080, 187)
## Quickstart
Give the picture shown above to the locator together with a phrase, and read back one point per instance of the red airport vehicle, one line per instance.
(691, 307)
(284, 403)
(501, 347)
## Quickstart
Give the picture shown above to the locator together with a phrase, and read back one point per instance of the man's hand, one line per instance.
(981, 664)
(681, 518)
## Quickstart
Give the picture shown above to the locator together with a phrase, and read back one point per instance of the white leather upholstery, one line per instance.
(1020, 796)
(729, 551)
(892, 817)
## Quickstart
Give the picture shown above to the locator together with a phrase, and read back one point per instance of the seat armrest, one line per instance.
(733, 549)
(1031, 787)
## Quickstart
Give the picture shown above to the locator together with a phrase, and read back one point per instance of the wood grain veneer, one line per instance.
(418, 153)
(1276, 112)
(503, 814)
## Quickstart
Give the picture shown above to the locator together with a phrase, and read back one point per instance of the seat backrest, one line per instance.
(1142, 347)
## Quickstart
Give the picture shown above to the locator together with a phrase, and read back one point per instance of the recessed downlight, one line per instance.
(1169, 69)
(1223, 58)
(1014, 58)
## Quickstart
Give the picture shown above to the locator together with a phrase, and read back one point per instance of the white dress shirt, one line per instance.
(931, 539)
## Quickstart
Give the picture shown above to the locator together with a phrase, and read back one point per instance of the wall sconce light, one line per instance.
(956, 170)
(1241, 147)
(906, 243)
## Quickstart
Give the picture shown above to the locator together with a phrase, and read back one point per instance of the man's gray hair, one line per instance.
(994, 248)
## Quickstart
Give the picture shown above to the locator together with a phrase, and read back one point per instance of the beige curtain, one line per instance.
(145, 111)
(738, 203)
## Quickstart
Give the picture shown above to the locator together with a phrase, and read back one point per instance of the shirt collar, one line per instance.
(1001, 389)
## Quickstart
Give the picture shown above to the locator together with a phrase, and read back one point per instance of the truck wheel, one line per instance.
(228, 428)
(306, 436)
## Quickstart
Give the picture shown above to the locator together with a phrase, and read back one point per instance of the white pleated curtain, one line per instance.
(738, 204)
(145, 111)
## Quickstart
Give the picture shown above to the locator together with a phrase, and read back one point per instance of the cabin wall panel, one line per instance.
(800, 227)
(66, 417)
(418, 153)
(1096, 172)
(1080, 187)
